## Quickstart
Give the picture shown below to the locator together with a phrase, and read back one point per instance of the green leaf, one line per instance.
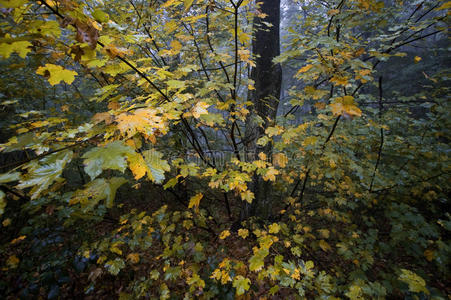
(10, 176)
(96, 191)
(415, 282)
(115, 266)
(112, 156)
(100, 16)
(257, 261)
(41, 174)
(241, 284)
(2, 202)
(12, 3)
(156, 165)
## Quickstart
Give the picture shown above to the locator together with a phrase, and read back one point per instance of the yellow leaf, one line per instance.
(280, 160)
(176, 47)
(244, 233)
(325, 233)
(133, 257)
(270, 174)
(324, 245)
(429, 254)
(333, 12)
(12, 3)
(56, 74)
(446, 5)
(22, 48)
(338, 80)
(345, 106)
(114, 51)
(16, 240)
(247, 196)
(188, 4)
(170, 3)
(274, 228)
(304, 69)
(6, 222)
(415, 282)
(200, 109)
(12, 261)
(310, 140)
(115, 247)
(224, 234)
(137, 165)
(417, 59)
(195, 200)
(262, 156)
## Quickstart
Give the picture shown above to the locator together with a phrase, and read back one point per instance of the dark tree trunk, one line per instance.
(267, 77)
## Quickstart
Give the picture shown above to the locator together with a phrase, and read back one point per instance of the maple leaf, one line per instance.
(345, 106)
(133, 257)
(40, 175)
(22, 48)
(274, 228)
(195, 200)
(339, 80)
(112, 156)
(137, 165)
(304, 69)
(56, 74)
(200, 109)
(416, 283)
(224, 234)
(270, 174)
(324, 245)
(244, 233)
(143, 120)
(12, 262)
(247, 196)
(241, 284)
(96, 191)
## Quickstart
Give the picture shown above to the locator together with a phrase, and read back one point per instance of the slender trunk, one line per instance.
(267, 77)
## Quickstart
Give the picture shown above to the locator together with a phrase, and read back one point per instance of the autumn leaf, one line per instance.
(12, 3)
(247, 196)
(345, 106)
(446, 5)
(188, 4)
(304, 69)
(244, 233)
(133, 257)
(56, 74)
(12, 262)
(137, 165)
(195, 200)
(114, 51)
(241, 284)
(224, 234)
(339, 80)
(325, 246)
(199, 109)
(274, 228)
(22, 48)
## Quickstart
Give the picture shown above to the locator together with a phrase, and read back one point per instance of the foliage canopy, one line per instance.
(129, 118)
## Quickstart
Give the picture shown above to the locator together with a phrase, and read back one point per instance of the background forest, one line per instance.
(222, 149)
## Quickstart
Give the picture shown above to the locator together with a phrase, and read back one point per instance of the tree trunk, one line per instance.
(267, 77)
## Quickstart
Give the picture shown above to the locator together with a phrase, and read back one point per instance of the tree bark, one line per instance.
(265, 98)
